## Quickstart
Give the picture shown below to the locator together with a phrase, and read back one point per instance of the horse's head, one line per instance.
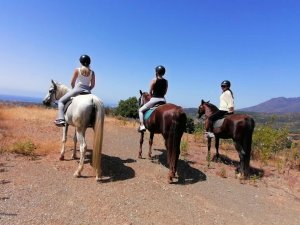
(201, 108)
(144, 98)
(206, 108)
(55, 92)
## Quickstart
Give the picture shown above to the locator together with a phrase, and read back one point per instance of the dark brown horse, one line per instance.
(237, 127)
(170, 121)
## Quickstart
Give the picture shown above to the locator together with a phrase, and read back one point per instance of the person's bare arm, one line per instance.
(93, 81)
(75, 75)
(152, 86)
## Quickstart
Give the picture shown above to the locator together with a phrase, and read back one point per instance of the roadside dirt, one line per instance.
(133, 191)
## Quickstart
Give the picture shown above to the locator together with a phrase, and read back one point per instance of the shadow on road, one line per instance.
(227, 161)
(186, 173)
(113, 168)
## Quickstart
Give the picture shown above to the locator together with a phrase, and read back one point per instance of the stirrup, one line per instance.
(60, 122)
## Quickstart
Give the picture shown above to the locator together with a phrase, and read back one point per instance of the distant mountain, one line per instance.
(276, 105)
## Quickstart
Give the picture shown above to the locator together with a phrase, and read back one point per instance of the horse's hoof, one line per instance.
(149, 156)
(61, 158)
(74, 157)
(240, 176)
(76, 175)
(98, 179)
(140, 156)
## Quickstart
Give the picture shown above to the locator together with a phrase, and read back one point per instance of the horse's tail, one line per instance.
(98, 135)
(178, 127)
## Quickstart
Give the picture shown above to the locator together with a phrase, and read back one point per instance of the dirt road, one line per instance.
(134, 191)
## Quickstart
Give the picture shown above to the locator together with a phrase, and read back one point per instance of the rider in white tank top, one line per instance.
(83, 80)
(80, 84)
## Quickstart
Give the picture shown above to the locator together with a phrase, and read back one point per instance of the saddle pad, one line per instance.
(67, 105)
(218, 123)
(148, 113)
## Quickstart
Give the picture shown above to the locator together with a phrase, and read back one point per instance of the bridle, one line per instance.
(53, 91)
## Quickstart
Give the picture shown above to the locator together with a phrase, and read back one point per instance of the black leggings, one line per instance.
(214, 117)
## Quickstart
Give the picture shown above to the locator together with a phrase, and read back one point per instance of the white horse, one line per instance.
(85, 110)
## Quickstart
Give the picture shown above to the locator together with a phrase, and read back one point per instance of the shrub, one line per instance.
(190, 126)
(26, 148)
(268, 141)
(198, 132)
(127, 108)
(184, 146)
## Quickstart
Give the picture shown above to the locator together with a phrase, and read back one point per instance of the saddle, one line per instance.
(218, 123)
(68, 103)
(148, 113)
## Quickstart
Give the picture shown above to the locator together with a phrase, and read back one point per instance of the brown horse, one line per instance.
(170, 121)
(237, 127)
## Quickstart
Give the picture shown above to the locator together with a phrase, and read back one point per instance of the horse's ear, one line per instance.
(208, 101)
(54, 84)
(141, 93)
(202, 102)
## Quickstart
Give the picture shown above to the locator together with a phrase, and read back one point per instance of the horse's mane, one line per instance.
(210, 105)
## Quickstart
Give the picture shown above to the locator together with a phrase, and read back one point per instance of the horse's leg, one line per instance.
(81, 139)
(75, 143)
(64, 139)
(150, 144)
(241, 152)
(247, 149)
(141, 144)
(217, 141)
(208, 158)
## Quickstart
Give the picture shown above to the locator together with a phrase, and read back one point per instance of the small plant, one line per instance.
(198, 132)
(280, 165)
(26, 148)
(184, 146)
(253, 179)
(222, 173)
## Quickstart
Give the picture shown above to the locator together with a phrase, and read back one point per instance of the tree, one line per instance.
(128, 108)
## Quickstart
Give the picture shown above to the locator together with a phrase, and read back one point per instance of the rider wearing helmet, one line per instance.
(226, 106)
(158, 90)
(83, 81)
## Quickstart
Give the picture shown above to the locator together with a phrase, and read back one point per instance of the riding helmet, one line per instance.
(160, 70)
(85, 60)
(226, 83)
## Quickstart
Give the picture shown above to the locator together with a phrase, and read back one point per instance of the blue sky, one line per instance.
(253, 43)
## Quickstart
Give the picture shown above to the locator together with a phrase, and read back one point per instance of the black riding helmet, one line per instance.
(160, 70)
(85, 60)
(226, 83)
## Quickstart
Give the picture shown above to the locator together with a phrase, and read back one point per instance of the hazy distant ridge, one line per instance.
(276, 105)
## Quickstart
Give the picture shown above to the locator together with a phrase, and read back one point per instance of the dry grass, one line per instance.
(28, 126)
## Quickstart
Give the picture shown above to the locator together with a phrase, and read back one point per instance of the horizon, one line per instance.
(252, 43)
(35, 99)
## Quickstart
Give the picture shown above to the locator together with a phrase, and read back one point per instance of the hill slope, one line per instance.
(276, 105)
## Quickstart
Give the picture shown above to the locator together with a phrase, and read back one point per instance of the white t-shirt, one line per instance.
(226, 101)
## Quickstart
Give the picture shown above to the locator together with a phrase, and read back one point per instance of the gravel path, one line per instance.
(134, 191)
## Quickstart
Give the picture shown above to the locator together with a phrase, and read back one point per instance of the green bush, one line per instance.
(267, 141)
(127, 108)
(26, 148)
(190, 126)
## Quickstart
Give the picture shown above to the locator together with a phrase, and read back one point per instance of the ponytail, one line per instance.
(231, 92)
